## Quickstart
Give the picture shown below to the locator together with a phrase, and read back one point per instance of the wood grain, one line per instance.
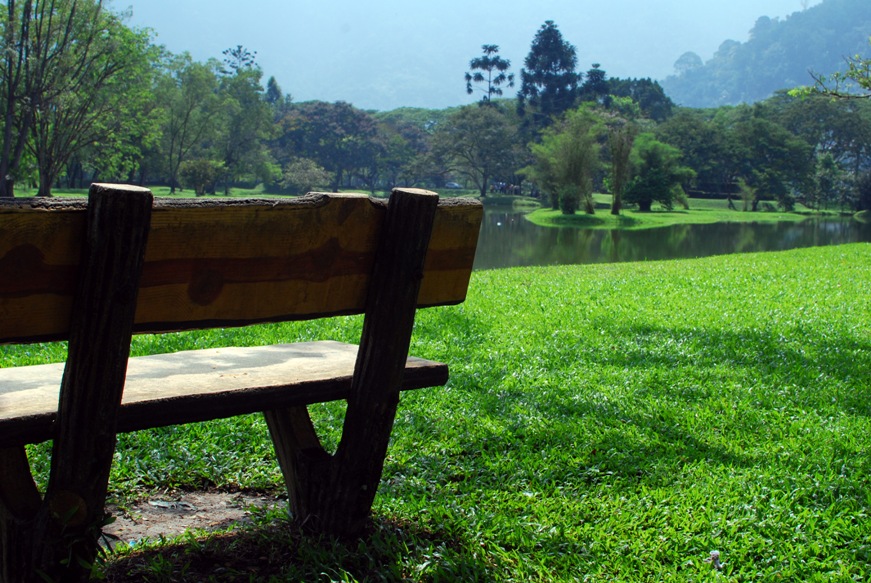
(224, 263)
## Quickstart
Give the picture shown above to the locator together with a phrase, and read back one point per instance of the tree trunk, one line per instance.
(616, 206)
(44, 185)
(7, 187)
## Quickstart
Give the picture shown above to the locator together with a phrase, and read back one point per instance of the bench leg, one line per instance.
(299, 454)
(19, 506)
(334, 494)
(56, 538)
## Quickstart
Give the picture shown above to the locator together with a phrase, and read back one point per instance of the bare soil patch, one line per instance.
(173, 514)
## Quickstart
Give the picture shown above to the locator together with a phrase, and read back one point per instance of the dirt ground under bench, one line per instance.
(173, 514)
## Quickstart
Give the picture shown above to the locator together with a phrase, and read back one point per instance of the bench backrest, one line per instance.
(224, 263)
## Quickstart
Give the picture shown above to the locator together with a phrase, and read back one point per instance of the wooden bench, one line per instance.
(96, 272)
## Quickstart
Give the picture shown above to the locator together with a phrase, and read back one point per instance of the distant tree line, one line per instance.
(85, 98)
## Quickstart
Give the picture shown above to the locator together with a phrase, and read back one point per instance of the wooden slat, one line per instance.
(224, 263)
(199, 385)
(451, 253)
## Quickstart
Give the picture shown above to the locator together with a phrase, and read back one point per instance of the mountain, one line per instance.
(780, 54)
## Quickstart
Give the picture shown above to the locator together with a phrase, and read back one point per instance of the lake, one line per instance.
(509, 240)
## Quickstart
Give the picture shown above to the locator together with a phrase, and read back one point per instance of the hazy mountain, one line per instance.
(778, 55)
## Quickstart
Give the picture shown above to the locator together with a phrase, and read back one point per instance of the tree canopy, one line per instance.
(491, 71)
(566, 161)
(549, 80)
(854, 82)
(658, 173)
(478, 143)
(72, 76)
(102, 101)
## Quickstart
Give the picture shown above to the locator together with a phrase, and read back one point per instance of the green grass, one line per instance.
(701, 211)
(602, 423)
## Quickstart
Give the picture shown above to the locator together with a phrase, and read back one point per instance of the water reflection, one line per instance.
(509, 240)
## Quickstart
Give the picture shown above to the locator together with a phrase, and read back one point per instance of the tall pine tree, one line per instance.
(549, 81)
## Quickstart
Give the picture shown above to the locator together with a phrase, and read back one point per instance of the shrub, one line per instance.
(200, 174)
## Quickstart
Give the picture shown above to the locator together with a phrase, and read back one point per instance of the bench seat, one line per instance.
(200, 385)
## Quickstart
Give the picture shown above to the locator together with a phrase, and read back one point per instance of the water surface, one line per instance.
(509, 240)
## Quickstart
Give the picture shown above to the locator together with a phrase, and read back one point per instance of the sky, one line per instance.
(385, 54)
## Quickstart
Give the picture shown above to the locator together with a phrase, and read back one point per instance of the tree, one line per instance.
(855, 82)
(72, 75)
(479, 143)
(863, 188)
(648, 94)
(238, 58)
(490, 70)
(403, 145)
(245, 123)
(596, 86)
(274, 94)
(124, 155)
(774, 161)
(201, 174)
(337, 136)
(408, 159)
(188, 93)
(710, 146)
(101, 94)
(549, 82)
(829, 184)
(839, 129)
(621, 137)
(658, 174)
(566, 161)
(302, 175)
(15, 83)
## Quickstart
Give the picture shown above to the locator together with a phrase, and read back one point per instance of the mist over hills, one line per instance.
(778, 55)
(386, 54)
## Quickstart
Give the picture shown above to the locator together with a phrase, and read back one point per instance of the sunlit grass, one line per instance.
(602, 423)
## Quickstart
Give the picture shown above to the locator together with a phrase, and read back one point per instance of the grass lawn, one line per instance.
(602, 423)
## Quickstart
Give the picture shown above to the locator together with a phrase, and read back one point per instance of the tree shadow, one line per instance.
(643, 431)
(273, 548)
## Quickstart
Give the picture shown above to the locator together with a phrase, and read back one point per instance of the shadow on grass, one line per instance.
(809, 369)
(274, 549)
(669, 397)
